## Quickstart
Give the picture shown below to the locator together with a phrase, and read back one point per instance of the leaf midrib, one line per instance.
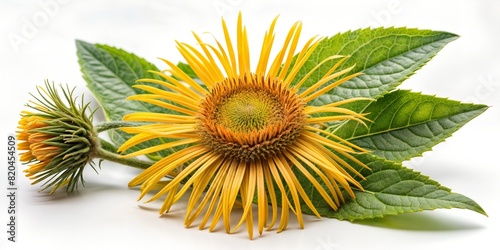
(401, 128)
(392, 35)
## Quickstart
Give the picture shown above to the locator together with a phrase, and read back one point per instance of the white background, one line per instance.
(106, 215)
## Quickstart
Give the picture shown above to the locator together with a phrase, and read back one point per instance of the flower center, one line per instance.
(250, 117)
(249, 110)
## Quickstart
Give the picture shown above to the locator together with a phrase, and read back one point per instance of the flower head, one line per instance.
(241, 135)
(57, 138)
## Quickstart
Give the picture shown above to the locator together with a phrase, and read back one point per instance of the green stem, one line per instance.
(132, 162)
(107, 145)
(113, 125)
(106, 150)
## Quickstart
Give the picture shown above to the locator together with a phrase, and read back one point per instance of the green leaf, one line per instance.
(110, 74)
(391, 189)
(406, 124)
(386, 56)
(187, 69)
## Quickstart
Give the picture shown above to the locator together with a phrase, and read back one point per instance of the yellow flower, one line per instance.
(31, 141)
(57, 139)
(241, 135)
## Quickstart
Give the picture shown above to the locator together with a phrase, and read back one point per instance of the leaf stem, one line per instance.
(362, 190)
(106, 152)
(114, 125)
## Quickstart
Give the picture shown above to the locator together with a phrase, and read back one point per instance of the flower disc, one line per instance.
(251, 117)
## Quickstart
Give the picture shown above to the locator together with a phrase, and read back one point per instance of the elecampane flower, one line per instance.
(57, 139)
(239, 134)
